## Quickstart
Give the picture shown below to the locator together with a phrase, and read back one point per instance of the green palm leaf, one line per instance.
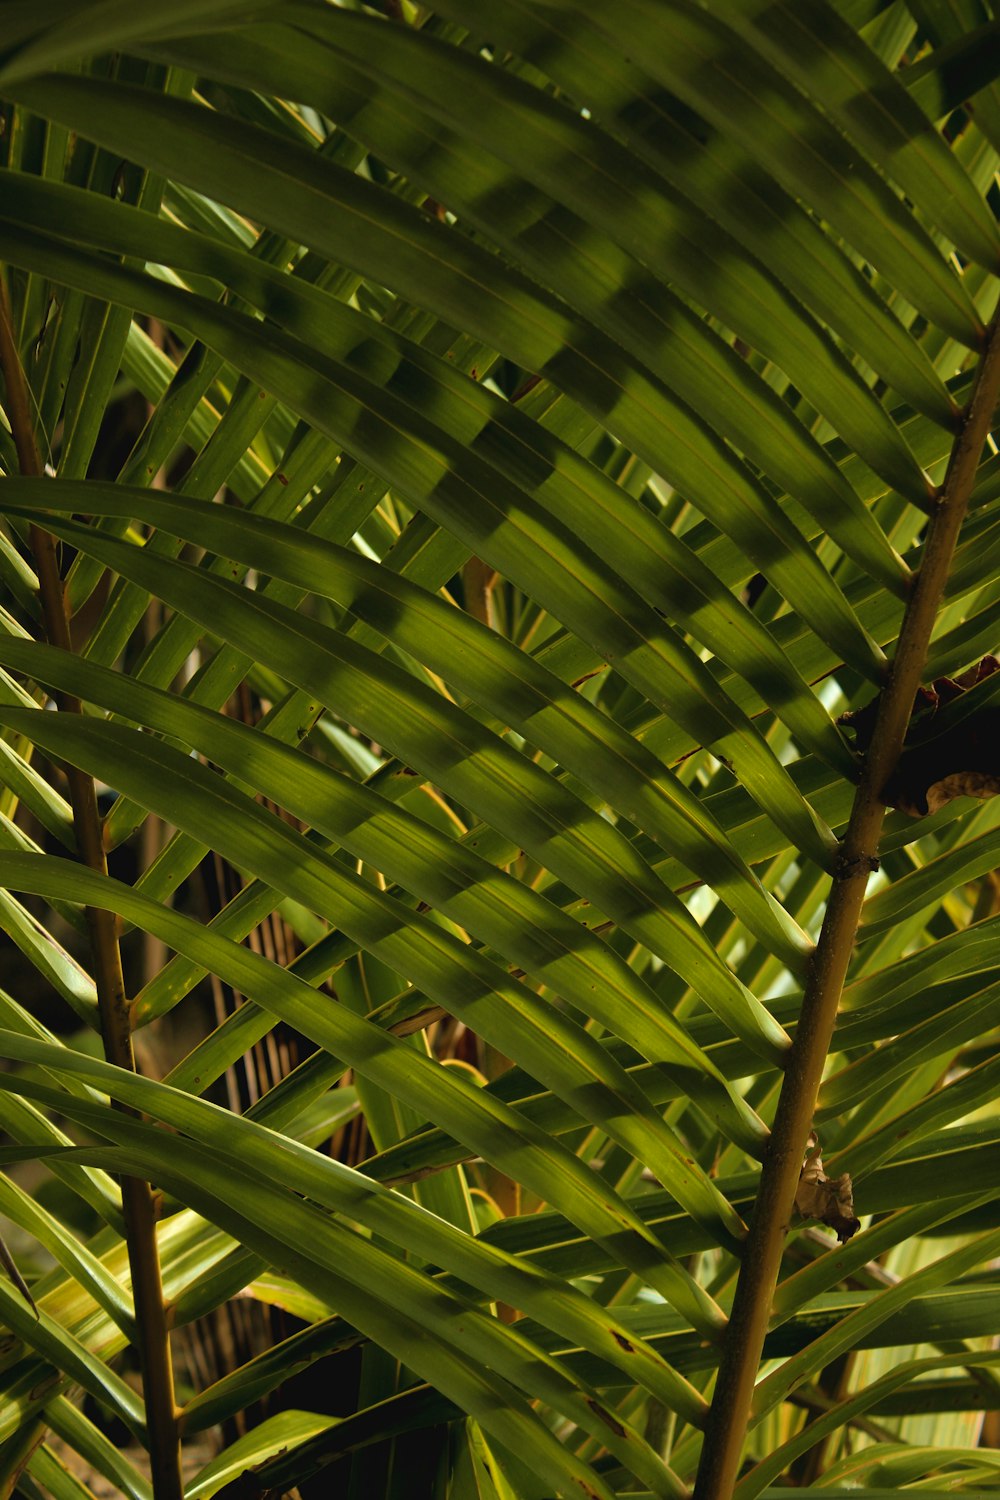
(456, 469)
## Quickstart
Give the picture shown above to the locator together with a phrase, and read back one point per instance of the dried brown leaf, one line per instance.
(829, 1199)
(941, 759)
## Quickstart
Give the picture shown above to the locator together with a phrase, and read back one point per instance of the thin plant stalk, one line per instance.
(138, 1200)
(732, 1402)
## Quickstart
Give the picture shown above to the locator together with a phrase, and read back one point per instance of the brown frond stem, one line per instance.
(730, 1413)
(138, 1202)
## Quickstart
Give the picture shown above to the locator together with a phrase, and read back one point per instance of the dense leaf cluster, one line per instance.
(463, 472)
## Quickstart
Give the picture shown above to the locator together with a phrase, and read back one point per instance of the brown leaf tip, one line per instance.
(943, 757)
(828, 1199)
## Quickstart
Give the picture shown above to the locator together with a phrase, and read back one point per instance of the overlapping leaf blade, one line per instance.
(543, 470)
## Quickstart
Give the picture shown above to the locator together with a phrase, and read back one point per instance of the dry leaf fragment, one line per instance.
(831, 1200)
(943, 757)
(980, 784)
